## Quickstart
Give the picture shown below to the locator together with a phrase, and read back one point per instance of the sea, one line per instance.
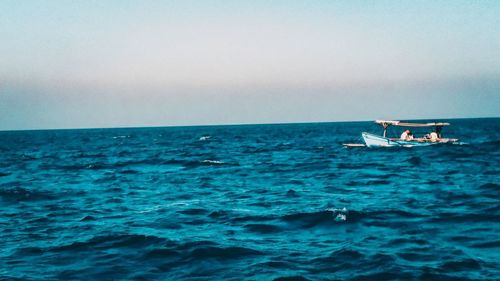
(249, 202)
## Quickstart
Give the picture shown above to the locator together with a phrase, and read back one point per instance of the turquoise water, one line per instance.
(256, 202)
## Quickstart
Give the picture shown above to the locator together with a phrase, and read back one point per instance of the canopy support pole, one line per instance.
(385, 125)
(438, 131)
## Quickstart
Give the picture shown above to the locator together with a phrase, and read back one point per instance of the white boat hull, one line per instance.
(372, 140)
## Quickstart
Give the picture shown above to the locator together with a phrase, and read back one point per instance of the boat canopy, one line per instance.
(386, 123)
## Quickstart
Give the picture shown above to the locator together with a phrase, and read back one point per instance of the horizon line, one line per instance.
(237, 124)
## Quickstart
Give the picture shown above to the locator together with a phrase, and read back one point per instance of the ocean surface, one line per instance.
(250, 202)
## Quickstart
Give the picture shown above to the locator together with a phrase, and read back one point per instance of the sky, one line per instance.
(85, 64)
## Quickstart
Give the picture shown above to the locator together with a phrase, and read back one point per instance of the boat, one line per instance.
(373, 140)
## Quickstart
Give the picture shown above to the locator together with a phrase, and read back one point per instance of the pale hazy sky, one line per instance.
(72, 64)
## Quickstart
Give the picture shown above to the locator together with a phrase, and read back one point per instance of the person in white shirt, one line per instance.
(434, 136)
(406, 135)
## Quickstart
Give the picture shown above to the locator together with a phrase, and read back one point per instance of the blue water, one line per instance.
(257, 202)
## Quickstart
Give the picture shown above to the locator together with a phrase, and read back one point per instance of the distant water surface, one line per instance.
(255, 202)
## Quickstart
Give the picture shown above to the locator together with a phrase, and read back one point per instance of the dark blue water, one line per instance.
(258, 202)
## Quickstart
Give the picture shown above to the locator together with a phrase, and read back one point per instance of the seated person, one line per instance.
(433, 137)
(409, 136)
(406, 135)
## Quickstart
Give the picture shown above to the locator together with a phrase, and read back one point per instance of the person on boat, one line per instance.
(410, 136)
(432, 137)
(406, 135)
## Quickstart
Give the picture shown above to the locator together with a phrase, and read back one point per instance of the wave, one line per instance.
(193, 211)
(225, 216)
(465, 218)
(162, 253)
(327, 217)
(339, 257)
(415, 161)
(203, 250)
(292, 193)
(129, 172)
(348, 258)
(76, 166)
(330, 217)
(492, 143)
(221, 214)
(431, 275)
(23, 194)
(407, 241)
(387, 214)
(193, 245)
(221, 253)
(461, 265)
(490, 187)
(204, 138)
(262, 228)
(190, 164)
(314, 165)
(492, 244)
(110, 242)
(90, 155)
(377, 182)
(351, 166)
(29, 251)
(253, 150)
(417, 256)
(395, 275)
(88, 218)
(212, 162)
(291, 278)
(457, 155)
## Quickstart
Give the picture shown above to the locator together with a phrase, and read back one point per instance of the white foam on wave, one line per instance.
(341, 217)
(151, 209)
(241, 210)
(335, 210)
(165, 206)
(212, 161)
(340, 214)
